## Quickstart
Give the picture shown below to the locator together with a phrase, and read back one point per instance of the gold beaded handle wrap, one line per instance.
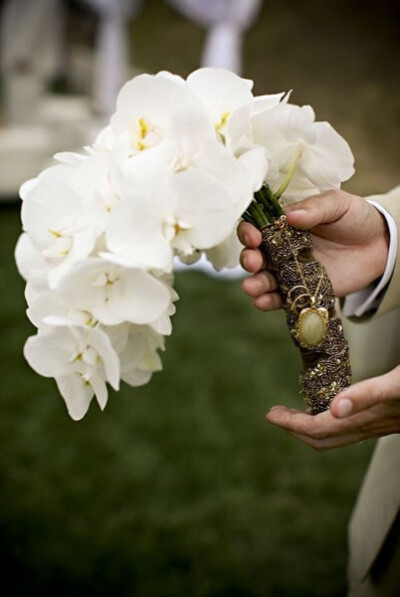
(308, 300)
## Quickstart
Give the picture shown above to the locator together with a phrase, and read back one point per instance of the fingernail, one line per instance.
(297, 212)
(344, 408)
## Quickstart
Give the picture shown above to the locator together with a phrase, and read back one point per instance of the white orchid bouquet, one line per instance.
(169, 177)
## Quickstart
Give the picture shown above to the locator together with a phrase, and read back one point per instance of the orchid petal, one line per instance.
(330, 160)
(204, 206)
(153, 99)
(220, 88)
(226, 254)
(102, 344)
(49, 353)
(135, 231)
(267, 102)
(100, 390)
(77, 395)
(256, 164)
(27, 257)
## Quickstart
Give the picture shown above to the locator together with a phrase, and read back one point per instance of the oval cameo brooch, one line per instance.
(311, 325)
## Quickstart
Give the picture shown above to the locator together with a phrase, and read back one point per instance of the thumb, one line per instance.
(319, 209)
(364, 394)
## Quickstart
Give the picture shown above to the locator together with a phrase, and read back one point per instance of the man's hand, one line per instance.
(349, 236)
(367, 409)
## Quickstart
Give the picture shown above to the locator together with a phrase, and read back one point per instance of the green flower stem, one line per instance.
(247, 218)
(264, 209)
(257, 215)
(266, 191)
(289, 175)
(269, 202)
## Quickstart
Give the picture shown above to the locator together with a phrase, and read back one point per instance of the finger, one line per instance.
(332, 442)
(248, 235)
(294, 421)
(324, 426)
(259, 284)
(268, 302)
(365, 394)
(252, 260)
(319, 209)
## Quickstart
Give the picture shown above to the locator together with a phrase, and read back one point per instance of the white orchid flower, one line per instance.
(32, 267)
(93, 180)
(47, 309)
(226, 254)
(118, 335)
(140, 358)
(228, 100)
(239, 177)
(137, 347)
(310, 155)
(162, 325)
(114, 293)
(185, 133)
(81, 360)
(189, 211)
(61, 223)
(30, 262)
(149, 105)
(184, 125)
(230, 103)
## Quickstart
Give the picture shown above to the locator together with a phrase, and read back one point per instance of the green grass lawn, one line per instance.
(179, 488)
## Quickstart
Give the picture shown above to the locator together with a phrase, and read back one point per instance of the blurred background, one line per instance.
(180, 488)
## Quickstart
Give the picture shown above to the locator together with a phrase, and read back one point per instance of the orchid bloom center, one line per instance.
(86, 354)
(181, 163)
(60, 242)
(90, 356)
(222, 122)
(87, 359)
(143, 132)
(82, 317)
(145, 135)
(105, 279)
(220, 126)
(176, 233)
(174, 230)
(110, 198)
(172, 226)
(107, 283)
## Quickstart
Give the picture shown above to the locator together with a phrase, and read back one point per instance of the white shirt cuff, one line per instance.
(367, 299)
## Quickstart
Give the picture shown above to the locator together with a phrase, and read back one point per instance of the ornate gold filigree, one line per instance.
(306, 290)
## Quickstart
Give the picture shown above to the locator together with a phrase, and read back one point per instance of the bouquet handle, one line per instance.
(309, 302)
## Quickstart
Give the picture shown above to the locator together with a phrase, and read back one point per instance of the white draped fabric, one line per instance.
(225, 21)
(32, 51)
(112, 56)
